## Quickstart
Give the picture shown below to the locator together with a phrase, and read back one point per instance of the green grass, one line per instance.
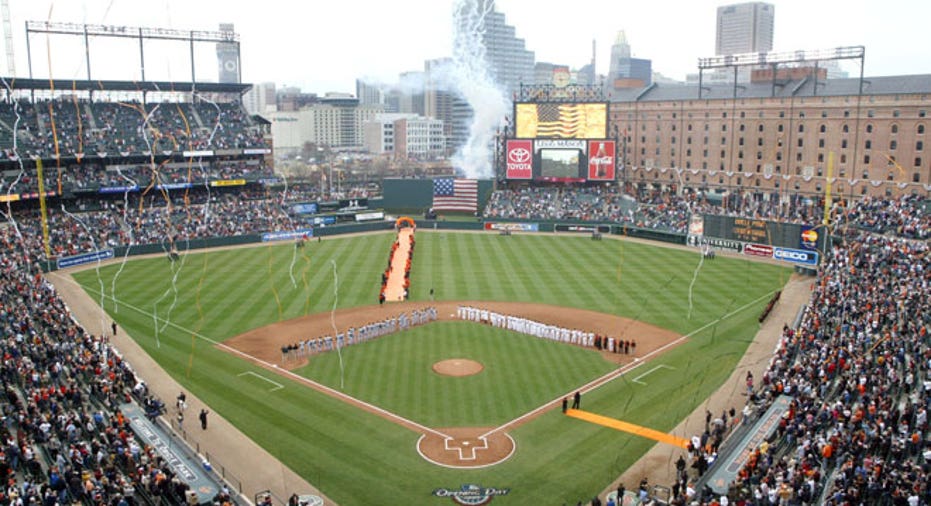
(520, 373)
(354, 456)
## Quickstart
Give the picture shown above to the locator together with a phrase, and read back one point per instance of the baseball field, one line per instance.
(353, 422)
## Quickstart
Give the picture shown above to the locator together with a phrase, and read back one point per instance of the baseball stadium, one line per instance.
(184, 324)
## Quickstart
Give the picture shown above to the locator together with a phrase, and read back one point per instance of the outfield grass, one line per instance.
(353, 456)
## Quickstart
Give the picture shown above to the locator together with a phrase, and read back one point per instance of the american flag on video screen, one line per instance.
(455, 194)
(563, 121)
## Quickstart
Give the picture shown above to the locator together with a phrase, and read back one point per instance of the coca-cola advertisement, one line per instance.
(519, 159)
(601, 160)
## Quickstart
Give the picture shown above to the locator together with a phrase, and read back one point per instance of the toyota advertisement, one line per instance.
(519, 159)
(601, 160)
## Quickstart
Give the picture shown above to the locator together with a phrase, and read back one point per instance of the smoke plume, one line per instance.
(473, 83)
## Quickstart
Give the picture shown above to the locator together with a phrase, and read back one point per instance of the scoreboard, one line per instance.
(764, 232)
(561, 142)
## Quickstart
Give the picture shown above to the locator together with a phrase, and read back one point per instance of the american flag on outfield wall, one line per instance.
(451, 194)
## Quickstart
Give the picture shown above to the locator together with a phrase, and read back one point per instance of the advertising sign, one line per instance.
(519, 160)
(808, 239)
(601, 160)
(796, 256)
(758, 250)
(84, 258)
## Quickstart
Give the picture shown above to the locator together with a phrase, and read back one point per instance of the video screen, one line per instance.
(561, 121)
(559, 163)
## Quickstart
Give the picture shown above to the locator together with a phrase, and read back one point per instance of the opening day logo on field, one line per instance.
(471, 494)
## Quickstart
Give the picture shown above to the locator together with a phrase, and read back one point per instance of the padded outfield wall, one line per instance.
(415, 196)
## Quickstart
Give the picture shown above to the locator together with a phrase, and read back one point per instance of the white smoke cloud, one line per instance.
(472, 81)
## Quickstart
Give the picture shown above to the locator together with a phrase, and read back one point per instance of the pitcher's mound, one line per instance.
(457, 367)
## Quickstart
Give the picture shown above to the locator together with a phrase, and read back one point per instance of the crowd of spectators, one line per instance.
(669, 211)
(64, 438)
(68, 127)
(857, 368)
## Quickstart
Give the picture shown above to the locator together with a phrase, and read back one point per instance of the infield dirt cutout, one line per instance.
(457, 447)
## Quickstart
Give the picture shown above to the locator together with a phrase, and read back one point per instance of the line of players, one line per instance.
(353, 335)
(545, 330)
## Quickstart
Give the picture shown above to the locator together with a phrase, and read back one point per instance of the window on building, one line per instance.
(801, 128)
(801, 142)
(919, 145)
(922, 113)
(723, 154)
(742, 126)
(916, 177)
(779, 128)
(643, 138)
(688, 152)
(740, 154)
(723, 140)
(689, 127)
(705, 140)
(706, 127)
(845, 128)
(868, 144)
(740, 141)
(869, 128)
(782, 114)
(779, 155)
(723, 128)
(870, 113)
(759, 155)
(866, 158)
(843, 159)
(704, 153)
(759, 141)
(822, 129)
(643, 151)
(893, 145)
(895, 128)
(688, 140)
(820, 158)
(673, 139)
(759, 128)
(917, 161)
(921, 129)
(820, 143)
(846, 114)
(895, 113)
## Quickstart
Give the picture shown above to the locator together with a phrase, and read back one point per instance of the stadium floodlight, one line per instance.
(746, 59)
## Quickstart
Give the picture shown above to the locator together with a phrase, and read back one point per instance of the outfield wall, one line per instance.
(356, 228)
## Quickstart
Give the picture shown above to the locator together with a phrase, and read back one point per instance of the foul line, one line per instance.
(274, 367)
(278, 386)
(592, 385)
(661, 366)
(623, 426)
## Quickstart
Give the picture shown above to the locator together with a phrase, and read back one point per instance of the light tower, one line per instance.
(8, 37)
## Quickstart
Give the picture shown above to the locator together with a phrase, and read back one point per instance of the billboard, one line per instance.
(796, 256)
(601, 160)
(519, 159)
(561, 120)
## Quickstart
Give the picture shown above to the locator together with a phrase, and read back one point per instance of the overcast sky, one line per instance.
(324, 46)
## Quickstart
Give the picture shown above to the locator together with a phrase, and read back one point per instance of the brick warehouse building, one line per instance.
(775, 137)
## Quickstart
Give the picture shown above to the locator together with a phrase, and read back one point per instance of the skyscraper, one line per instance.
(625, 71)
(228, 56)
(509, 61)
(744, 28)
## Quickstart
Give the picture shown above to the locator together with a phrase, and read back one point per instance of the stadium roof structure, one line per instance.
(807, 87)
(14, 83)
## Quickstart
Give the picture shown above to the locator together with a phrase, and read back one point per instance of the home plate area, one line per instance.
(465, 447)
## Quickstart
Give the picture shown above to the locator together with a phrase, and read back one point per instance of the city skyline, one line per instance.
(303, 47)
